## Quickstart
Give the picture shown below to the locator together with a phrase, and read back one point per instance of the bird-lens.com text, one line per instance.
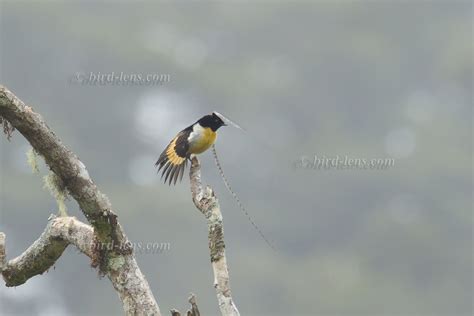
(345, 162)
(119, 79)
(137, 247)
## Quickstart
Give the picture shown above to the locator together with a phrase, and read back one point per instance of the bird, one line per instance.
(194, 139)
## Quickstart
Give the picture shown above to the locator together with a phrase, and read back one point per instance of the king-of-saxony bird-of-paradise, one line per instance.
(194, 139)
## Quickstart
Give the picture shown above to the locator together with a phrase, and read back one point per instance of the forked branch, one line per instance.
(117, 261)
(43, 253)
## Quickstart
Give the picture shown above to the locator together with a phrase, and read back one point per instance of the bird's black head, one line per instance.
(213, 121)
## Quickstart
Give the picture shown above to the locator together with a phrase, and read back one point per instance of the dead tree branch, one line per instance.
(117, 262)
(194, 311)
(65, 164)
(207, 203)
(43, 253)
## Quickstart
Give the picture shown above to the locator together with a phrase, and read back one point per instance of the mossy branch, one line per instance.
(58, 190)
(70, 176)
(32, 159)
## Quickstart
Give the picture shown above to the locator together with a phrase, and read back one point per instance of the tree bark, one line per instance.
(103, 239)
(207, 203)
(117, 261)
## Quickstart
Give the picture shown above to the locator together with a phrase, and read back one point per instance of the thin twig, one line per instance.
(194, 311)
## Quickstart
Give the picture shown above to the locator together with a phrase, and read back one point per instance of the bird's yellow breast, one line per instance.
(201, 139)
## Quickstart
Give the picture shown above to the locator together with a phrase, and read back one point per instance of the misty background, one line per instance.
(366, 79)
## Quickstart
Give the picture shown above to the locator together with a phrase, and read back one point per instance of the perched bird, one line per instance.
(194, 139)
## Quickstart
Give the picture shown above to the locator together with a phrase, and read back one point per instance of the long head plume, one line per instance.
(228, 121)
(236, 198)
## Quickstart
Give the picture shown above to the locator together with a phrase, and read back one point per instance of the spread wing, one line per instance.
(174, 158)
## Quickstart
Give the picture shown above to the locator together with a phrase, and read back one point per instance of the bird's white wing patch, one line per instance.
(196, 134)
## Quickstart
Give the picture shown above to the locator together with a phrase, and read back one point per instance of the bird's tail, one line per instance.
(172, 166)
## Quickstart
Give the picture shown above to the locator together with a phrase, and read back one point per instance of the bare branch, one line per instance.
(43, 253)
(58, 234)
(207, 203)
(194, 308)
(117, 262)
(194, 311)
